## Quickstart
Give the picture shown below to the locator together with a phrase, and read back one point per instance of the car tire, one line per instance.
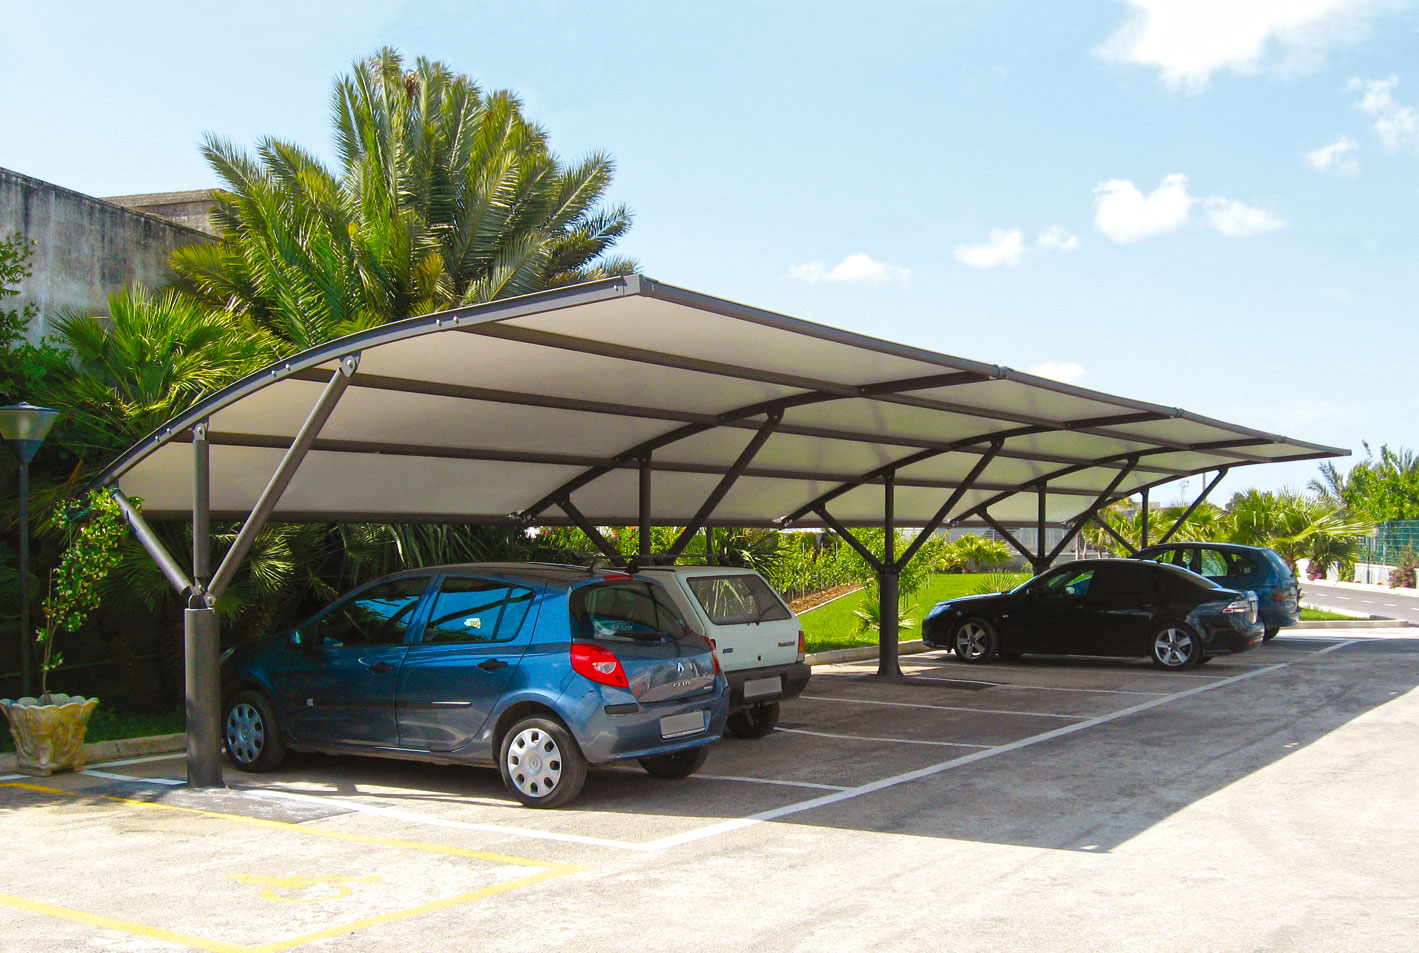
(541, 764)
(252, 733)
(754, 722)
(1175, 647)
(677, 764)
(1270, 633)
(974, 641)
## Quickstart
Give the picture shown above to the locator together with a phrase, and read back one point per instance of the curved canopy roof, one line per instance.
(500, 412)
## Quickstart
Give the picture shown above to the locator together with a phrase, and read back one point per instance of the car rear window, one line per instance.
(625, 610)
(737, 599)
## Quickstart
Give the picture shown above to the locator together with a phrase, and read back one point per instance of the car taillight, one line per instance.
(1242, 605)
(1278, 594)
(802, 646)
(717, 669)
(598, 664)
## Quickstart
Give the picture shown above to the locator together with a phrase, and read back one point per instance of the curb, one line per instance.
(99, 751)
(835, 656)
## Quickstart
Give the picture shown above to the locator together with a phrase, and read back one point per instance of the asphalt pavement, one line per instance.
(1385, 603)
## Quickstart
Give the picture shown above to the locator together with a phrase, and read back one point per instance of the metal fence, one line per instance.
(1389, 542)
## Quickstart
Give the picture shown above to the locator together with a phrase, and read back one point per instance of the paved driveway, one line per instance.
(1261, 802)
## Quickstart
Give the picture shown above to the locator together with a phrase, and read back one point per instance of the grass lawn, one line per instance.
(108, 725)
(1318, 615)
(834, 626)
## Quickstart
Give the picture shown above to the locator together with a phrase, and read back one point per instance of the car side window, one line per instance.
(1212, 563)
(477, 610)
(1069, 585)
(1127, 581)
(377, 616)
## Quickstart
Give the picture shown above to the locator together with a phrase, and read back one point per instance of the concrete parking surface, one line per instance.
(1263, 802)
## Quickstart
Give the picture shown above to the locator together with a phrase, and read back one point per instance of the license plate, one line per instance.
(763, 686)
(691, 722)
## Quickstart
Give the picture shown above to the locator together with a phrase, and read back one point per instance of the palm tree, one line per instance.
(1293, 525)
(154, 356)
(444, 196)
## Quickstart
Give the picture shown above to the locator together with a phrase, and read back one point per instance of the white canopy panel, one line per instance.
(539, 408)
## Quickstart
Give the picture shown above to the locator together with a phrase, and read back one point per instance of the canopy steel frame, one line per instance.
(999, 422)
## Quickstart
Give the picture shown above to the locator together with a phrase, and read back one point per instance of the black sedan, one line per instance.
(1113, 607)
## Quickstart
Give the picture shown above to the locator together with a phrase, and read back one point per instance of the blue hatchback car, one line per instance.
(537, 669)
(1240, 567)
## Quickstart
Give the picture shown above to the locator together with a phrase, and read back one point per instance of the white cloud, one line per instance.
(1189, 40)
(857, 268)
(1002, 248)
(1239, 220)
(1125, 214)
(1337, 157)
(1062, 371)
(1057, 239)
(1397, 126)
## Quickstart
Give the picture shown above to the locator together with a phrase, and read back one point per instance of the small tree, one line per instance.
(74, 584)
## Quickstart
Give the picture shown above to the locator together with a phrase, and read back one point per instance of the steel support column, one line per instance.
(888, 577)
(1040, 562)
(200, 639)
(643, 540)
(201, 634)
(1143, 529)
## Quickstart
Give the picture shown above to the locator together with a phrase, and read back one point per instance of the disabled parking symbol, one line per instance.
(302, 889)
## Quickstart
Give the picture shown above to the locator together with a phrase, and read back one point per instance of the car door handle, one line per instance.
(379, 668)
(492, 665)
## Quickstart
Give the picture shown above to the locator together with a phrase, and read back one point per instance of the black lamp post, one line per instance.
(24, 427)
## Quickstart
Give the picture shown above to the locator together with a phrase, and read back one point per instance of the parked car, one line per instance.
(536, 669)
(1115, 607)
(759, 639)
(1234, 566)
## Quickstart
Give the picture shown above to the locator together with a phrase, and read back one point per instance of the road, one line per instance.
(1380, 602)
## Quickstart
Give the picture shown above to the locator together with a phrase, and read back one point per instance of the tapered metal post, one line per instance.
(26, 636)
(201, 507)
(201, 638)
(888, 577)
(1143, 533)
(643, 534)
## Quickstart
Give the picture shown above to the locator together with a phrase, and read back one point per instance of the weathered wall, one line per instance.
(84, 249)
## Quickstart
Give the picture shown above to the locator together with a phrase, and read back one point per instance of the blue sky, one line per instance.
(1205, 204)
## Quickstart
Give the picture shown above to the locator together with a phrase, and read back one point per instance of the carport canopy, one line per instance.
(631, 402)
(509, 411)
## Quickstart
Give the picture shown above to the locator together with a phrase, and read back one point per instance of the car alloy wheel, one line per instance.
(973, 641)
(1175, 647)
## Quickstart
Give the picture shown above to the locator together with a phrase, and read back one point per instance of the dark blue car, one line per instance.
(1243, 568)
(536, 669)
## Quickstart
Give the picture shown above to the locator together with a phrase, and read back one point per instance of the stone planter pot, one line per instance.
(49, 737)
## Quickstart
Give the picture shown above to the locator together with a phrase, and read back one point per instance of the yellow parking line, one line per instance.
(126, 926)
(316, 831)
(550, 869)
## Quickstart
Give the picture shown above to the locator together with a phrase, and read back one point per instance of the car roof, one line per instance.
(700, 570)
(561, 575)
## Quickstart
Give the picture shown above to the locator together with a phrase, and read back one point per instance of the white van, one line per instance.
(759, 640)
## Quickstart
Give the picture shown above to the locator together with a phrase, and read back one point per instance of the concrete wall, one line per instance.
(83, 248)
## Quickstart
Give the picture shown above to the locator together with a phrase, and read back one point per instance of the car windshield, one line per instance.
(625, 610)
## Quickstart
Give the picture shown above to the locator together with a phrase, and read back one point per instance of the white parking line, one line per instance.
(983, 711)
(897, 741)
(143, 760)
(12, 777)
(873, 786)
(172, 782)
(844, 794)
